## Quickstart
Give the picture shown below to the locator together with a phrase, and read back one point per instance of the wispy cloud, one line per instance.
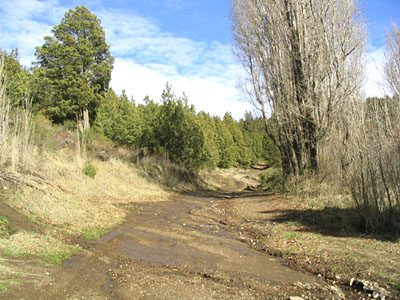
(25, 23)
(146, 56)
(172, 4)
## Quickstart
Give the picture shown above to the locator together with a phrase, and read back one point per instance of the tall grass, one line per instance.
(16, 128)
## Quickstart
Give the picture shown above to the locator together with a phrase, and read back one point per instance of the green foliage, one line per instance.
(211, 148)
(179, 132)
(17, 79)
(89, 170)
(227, 151)
(94, 233)
(120, 119)
(173, 129)
(3, 226)
(261, 146)
(73, 68)
(272, 180)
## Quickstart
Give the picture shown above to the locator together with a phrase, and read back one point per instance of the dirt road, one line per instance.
(179, 249)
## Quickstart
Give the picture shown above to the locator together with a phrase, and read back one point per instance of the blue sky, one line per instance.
(184, 42)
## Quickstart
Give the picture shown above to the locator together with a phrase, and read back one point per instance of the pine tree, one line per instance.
(17, 77)
(73, 68)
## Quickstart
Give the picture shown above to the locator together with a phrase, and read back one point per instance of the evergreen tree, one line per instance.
(241, 153)
(211, 149)
(227, 151)
(120, 119)
(149, 113)
(18, 78)
(179, 132)
(73, 68)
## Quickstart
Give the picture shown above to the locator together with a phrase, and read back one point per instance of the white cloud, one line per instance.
(146, 57)
(25, 23)
(375, 85)
(205, 93)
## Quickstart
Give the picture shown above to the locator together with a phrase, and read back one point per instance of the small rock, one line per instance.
(357, 285)
(299, 284)
(333, 288)
(295, 298)
(103, 155)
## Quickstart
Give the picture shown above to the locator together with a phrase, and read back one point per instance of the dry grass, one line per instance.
(230, 179)
(318, 239)
(80, 203)
(115, 181)
(315, 192)
(33, 244)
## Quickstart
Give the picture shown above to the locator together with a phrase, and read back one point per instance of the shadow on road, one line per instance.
(338, 222)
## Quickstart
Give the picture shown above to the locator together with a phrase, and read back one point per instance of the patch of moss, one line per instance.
(94, 233)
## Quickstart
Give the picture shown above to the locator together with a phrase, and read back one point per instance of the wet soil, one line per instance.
(179, 249)
(18, 221)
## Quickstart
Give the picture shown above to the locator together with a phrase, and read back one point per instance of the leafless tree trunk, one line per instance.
(372, 150)
(302, 58)
(392, 67)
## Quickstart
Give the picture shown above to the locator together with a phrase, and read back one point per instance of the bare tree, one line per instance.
(371, 152)
(302, 58)
(392, 67)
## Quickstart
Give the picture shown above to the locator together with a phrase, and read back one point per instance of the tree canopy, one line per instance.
(172, 128)
(73, 68)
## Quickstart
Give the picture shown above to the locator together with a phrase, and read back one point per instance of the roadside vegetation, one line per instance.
(74, 153)
(308, 89)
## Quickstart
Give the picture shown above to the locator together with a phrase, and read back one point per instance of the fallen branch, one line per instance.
(30, 180)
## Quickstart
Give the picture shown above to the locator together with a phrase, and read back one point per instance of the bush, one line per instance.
(3, 226)
(89, 170)
(272, 180)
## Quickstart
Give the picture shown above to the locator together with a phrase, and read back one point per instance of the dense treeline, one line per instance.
(173, 128)
(69, 83)
(170, 127)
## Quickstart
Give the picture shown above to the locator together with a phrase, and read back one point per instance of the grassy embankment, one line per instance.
(50, 198)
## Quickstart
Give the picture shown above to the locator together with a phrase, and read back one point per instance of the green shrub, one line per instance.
(3, 226)
(89, 170)
(272, 180)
